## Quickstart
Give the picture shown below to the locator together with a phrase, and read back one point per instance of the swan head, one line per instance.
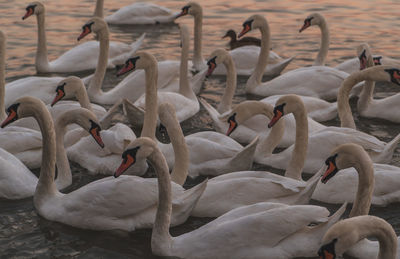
(312, 19)
(33, 8)
(138, 150)
(364, 55)
(217, 57)
(290, 103)
(84, 118)
(68, 88)
(244, 111)
(255, 21)
(191, 8)
(96, 25)
(24, 107)
(142, 60)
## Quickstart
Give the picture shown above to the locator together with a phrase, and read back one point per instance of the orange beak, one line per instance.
(275, 119)
(124, 166)
(85, 32)
(232, 127)
(29, 12)
(183, 13)
(59, 96)
(211, 68)
(12, 116)
(330, 169)
(128, 67)
(305, 26)
(246, 29)
(95, 134)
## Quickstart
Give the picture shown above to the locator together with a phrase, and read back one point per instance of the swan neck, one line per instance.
(97, 81)
(98, 11)
(184, 86)
(150, 118)
(323, 51)
(64, 175)
(3, 114)
(256, 76)
(299, 152)
(42, 62)
(366, 95)
(198, 31)
(366, 181)
(344, 110)
(46, 185)
(230, 88)
(83, 98)
(161, 239)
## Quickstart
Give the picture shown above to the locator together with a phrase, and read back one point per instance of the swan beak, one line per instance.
(85, 32)
(12, 116)
(232, 126)
(275, 119)
(29, 12)
(59, 96)
(326, 255)
(128, 67)
(330, 171)
(246, 29)
(211, 68)
(363, 63)
(124, 165)
(96, 135)
(305, 26)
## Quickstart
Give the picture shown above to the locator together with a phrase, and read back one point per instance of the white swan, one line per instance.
(79, 58)
(126, 203)
(18, 182)
(349, 66)
(185, 101)
(385, 108)
(342, 236)
(247, 131)
(81, 148)
(240, 233)
(245, 58)
(316, 81)
(139, 13)
(320, 143)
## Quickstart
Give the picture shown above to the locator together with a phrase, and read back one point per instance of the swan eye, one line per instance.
(12, 115)
(377, 60)
(279, 108)
(394, 75)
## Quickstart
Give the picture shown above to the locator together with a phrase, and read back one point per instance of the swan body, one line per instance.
(244, 58)
(141, 13)
(79, 58)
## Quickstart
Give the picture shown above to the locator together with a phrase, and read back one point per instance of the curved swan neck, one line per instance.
(64, 174)
(198, 24)
(42, 62)
(323, 51)
(98, 11)
(83, 98)
(366, 95)
(97, 81)
(3, 114)
(46, 185)
(184, 87)
(150, 118)
(366, 180)
(256, 77)
(161, 239)
(181, 165)
(299, 152)
(230, 88)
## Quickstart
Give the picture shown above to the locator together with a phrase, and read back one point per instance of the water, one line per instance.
(24, 234)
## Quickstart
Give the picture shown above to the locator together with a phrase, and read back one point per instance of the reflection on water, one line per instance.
(23, 233)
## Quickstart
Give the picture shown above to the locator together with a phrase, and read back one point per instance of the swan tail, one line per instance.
(385, 156)
(243, 160)
(110, 116)
(336, 216)
(119, 60)
(133, 113)
(183, 205)
(86, 79)
(197, 81)
(277, 68)
(305, 195)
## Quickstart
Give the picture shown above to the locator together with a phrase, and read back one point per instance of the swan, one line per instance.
(235, 43)
(81, 149)
(136, 209)
(245, 58)
(385, 108)
(345, 157)
(138, 13)
(246, 132)
(273, 229)
(349, 66)
(168, 72)
(80, 58)
(320, 143)
(347, 233)
(185, 101)
(18, 182)
(316, 81)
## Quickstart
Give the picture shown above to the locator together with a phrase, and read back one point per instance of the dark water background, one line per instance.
(24, 234)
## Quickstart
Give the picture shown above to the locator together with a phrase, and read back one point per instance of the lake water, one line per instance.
(24, 234)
